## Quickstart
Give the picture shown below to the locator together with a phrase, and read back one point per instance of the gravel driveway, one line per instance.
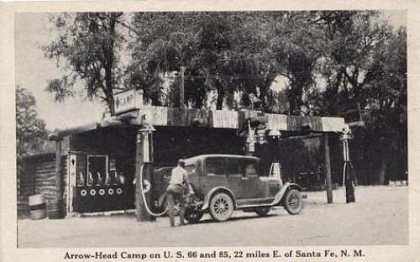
(379, 217)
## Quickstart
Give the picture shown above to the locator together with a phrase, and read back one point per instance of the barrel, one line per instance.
(37, 207)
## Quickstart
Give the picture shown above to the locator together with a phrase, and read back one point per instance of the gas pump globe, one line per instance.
(255, 135)
(346, 134)
(274, 133)
(345, 137)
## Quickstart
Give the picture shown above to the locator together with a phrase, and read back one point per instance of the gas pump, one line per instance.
(144, 173)
(348, 167)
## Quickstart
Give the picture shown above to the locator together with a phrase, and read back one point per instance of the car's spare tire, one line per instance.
(193, 215)
(221, 206)
(292, 201)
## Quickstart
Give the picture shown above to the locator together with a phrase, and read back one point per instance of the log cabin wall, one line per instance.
(45, 181)
(38, 177)
(64, 181)
(25, 187)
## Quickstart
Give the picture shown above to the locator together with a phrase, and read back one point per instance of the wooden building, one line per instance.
(94, 166)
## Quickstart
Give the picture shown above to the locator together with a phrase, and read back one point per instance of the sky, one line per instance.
(33, 70)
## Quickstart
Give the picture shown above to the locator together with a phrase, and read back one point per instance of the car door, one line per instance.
(242, 178)
(214, 174)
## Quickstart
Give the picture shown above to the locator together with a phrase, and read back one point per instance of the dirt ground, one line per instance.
(379, 217)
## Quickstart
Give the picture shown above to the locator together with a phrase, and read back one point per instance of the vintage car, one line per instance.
(224, 183)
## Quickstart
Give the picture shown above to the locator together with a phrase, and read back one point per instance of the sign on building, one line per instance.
(128, 100)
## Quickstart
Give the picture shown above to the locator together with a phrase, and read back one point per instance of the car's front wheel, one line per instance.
(221, 206)
(293, 202)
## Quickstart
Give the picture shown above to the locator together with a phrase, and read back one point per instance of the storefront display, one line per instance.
(102, 187)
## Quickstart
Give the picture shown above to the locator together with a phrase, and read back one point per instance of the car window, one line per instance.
(190, 168)
(234, 166)
(249, 167)
(215, 166)
(243, 167)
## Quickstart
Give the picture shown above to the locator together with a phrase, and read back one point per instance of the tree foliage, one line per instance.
(224, 52)
(331, 62)
(385, 98)
(88, 43)
(31, 133)
(29, 127)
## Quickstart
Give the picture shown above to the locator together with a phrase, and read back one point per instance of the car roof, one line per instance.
(193, 159)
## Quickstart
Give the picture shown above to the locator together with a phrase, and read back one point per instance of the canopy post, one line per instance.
(328, 169)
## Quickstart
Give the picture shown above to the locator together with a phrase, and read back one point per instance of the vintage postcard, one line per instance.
(198, 131)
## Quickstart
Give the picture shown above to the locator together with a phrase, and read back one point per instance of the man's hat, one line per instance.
(181, 162)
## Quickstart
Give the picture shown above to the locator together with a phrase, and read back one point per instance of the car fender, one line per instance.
(207, 198)
(283, 190)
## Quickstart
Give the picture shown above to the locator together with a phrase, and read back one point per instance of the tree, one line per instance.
(235, 52)
(166, 41)
(386, 100)
(31, 134)
(30, 130)
(363, 63)
(294, 43)
(202, 42)
(89, 43)
(163, 42)
(348, 41)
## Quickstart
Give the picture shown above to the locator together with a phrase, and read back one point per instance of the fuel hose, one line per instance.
(144, 197)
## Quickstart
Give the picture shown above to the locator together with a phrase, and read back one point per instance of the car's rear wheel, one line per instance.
(221, 207)
(262, 211)
(293, 202)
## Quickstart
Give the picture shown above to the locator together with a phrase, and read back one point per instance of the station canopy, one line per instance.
(130, 111)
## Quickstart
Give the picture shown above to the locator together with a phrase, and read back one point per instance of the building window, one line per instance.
(97, 169)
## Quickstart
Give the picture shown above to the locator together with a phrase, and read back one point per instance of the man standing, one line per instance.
(175, 191)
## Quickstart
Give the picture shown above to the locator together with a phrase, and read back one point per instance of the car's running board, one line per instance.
(250, 206)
